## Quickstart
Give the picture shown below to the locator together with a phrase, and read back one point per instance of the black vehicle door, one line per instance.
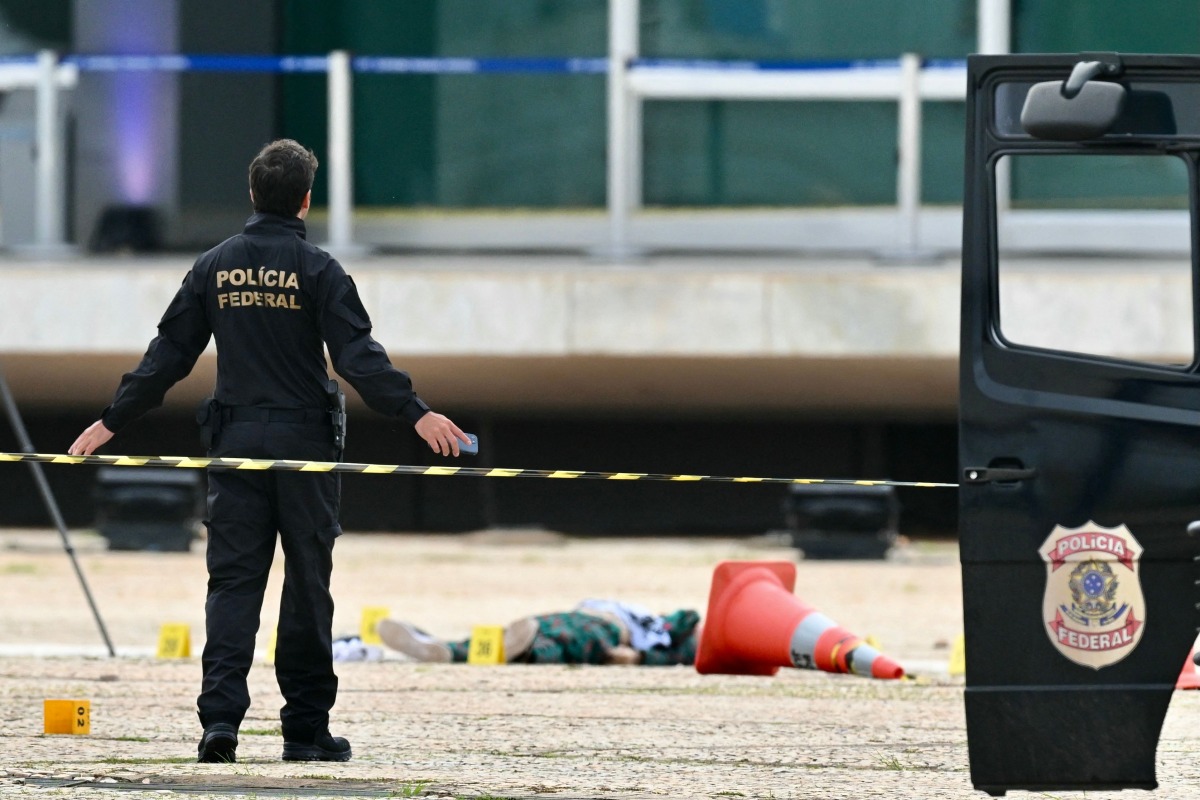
(1079, 413)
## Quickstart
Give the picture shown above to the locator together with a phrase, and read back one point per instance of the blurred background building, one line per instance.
(774, 295)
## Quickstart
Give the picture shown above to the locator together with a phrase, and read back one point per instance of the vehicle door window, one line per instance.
(1080, 293)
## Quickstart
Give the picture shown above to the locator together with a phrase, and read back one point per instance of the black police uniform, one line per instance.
(271, 299)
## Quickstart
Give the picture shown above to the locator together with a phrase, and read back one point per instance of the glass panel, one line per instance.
(1072, 26)
(26, 27)
(1061, 182)
(508, 141)
(1098, 303)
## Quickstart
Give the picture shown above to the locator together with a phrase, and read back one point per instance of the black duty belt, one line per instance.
(252, 414)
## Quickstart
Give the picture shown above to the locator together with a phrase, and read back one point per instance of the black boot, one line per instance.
(321, 747)
(218, 745)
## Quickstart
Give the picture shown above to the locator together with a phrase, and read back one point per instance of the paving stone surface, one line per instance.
(512, 731)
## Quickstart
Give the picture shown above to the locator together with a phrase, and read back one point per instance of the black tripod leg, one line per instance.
(14, 417)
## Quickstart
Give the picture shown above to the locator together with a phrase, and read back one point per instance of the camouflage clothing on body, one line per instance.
(575, 637)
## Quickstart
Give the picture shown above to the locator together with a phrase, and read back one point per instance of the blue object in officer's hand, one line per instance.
(471, 449)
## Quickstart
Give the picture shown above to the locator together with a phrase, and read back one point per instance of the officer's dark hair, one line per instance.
(280, 175)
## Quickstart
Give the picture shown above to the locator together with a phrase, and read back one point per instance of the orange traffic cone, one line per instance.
(755, 625)
(1189, 678)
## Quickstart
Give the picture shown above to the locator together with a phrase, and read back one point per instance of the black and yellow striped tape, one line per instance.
(188, 462)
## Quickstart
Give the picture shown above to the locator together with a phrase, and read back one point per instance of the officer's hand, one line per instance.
(92, 438)
(440, 433)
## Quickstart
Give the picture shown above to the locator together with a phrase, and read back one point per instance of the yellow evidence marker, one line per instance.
(487, 645)
(272, 641)
(174, 640)
(958, 657)
(370, 618)
(68, 716)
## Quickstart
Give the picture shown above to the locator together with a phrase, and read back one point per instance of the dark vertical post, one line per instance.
(14, 417)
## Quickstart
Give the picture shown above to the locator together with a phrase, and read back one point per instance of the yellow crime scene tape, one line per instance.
(189, 462)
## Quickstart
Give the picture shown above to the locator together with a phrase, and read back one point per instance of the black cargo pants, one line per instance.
(246, 509)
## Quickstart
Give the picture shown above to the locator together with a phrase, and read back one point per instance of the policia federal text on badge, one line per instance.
(274, 303)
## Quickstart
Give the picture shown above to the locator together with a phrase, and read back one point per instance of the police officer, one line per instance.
(271, 299)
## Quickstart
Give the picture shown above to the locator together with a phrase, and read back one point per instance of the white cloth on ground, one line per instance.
(351, 648)
(646, 629)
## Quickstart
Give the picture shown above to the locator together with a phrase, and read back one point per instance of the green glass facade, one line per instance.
(539, 141)
(525, 141)
(44, 23)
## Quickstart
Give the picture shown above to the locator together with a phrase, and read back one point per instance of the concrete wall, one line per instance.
(550, 333)
(563, 334)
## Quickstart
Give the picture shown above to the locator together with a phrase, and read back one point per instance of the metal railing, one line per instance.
(908, 82)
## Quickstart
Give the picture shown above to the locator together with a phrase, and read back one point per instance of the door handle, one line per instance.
(997, 474)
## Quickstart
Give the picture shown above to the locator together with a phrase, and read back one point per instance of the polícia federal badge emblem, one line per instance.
(1093, 608)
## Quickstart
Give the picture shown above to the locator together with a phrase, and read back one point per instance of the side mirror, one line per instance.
(1075, 109)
